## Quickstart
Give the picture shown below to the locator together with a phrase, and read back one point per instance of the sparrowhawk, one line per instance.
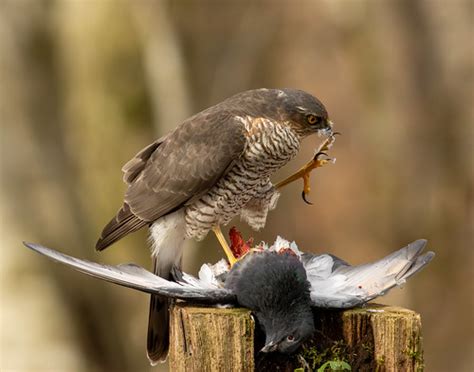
(214, 166)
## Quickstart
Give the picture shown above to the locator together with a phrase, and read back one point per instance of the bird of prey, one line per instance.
(280, 284)
(214, 166)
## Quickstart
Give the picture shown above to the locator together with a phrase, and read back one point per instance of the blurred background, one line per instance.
(86, 84)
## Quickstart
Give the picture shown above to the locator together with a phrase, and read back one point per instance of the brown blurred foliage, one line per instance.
(86, 84)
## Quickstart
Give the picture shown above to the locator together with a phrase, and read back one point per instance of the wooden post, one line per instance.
(211, 339)
(373, 338)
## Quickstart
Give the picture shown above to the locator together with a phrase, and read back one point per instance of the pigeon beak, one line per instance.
(269, 347)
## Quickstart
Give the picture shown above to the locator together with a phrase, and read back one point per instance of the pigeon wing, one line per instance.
(336, 284)
(136, 277)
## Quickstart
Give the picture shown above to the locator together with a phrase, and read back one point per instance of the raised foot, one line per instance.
(317, 162)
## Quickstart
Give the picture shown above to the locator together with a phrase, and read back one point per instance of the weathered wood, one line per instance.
(373, 338)
(396, 335)
(211, 339)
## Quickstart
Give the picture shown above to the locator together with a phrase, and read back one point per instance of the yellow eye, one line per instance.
(312, 119)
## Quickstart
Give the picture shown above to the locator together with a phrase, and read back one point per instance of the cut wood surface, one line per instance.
(373, 338)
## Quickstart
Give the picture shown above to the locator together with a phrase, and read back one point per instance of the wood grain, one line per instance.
(374, 338)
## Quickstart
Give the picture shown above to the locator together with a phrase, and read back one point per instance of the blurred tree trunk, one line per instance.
(52, 211)
(449, 171)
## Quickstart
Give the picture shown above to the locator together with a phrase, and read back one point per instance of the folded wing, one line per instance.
(136, 277)
(336, 284)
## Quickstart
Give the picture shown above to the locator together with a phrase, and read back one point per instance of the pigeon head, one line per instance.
(287, 331)
(275, 287)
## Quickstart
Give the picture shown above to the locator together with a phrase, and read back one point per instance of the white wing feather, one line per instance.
(336, 284)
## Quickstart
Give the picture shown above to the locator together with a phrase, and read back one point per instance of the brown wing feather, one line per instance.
(176, 168)
(189, 162)
(122, 224)
(134, 166)
(125, 221)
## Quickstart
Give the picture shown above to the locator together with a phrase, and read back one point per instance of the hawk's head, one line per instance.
(304, 112)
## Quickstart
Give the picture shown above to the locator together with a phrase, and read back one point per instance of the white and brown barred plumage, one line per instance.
(214, 166)
(246, 189)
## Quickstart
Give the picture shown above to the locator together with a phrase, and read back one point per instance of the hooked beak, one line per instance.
(269, 347)
(327, 130)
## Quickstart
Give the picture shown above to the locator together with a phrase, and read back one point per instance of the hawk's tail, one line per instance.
(157, 342)
(167, 235)
(122, 224)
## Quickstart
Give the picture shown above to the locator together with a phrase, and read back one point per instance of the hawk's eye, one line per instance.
(290, 338)
(313, 119)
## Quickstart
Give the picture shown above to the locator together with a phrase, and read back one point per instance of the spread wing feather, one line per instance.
(336, 284)
(176, 168)
(136, 277)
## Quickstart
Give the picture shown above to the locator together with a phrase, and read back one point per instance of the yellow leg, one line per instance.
(303, 173)
(230, 256)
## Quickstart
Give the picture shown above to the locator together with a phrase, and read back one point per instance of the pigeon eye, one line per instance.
(290, 338)
(313, 119)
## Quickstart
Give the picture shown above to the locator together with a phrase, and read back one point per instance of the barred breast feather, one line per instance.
(246, 188)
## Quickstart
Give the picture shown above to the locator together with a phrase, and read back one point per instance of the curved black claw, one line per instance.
(336, 133)
(303, 195)
(320, 153)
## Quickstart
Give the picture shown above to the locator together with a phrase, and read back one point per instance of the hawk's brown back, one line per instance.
(176, 168)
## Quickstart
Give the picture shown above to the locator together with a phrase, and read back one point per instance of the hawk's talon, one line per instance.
(318, 154)
(303, 195)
